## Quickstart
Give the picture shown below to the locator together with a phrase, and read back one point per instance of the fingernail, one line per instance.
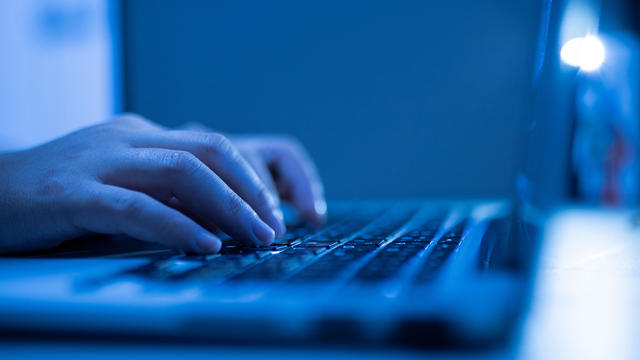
(262, 232)
(320, 206)
(207, 242)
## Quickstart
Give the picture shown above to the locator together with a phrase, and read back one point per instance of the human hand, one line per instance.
(284, 166)
(130, 176)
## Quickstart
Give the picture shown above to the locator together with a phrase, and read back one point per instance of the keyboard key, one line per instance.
(326, 244)
(363, 242)
(388, 261)
(277, 267)
(306, 253)
(331, 265)
(435, 262)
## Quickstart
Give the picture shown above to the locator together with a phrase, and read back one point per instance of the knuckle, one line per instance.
(291, 141)
(106, 129)
(216, 145)
(51, 188)
(130, 118)
(127, 205)
(51, 185)
(122, 204)
(182, 162)
(130, 122)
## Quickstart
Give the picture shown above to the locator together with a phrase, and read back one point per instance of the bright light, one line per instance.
(587, 53)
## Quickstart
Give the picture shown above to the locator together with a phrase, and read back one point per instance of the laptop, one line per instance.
(416, 272)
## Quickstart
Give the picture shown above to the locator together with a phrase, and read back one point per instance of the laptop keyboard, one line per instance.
(358, 248)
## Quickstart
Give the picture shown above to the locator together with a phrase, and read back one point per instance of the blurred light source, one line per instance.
(587, 53)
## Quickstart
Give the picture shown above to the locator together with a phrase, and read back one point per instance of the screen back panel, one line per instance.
(392, 99)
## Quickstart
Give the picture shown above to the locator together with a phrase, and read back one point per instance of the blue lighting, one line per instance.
(587, 53)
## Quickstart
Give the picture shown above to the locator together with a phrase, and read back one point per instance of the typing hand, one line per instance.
(286, 169)
(129, 176)
(284, 166)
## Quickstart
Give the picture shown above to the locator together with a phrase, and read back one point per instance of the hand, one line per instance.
(284, 166)
(286, 169)
(129, 176)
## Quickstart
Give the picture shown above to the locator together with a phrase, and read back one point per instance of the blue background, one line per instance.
(391, 98)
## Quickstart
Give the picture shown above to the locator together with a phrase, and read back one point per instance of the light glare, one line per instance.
(587, 53)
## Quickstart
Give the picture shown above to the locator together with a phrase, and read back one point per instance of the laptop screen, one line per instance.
(411, 99)
(543, 178)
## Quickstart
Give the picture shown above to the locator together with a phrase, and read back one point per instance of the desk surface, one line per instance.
(588, 288)
(585, 306)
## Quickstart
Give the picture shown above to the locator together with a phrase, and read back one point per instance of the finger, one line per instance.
(167, 173)
(174, 203)
(115, 210)
(217, 152)
(260, 167)
(298, 180)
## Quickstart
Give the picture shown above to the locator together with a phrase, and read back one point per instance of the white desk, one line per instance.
(587, 300)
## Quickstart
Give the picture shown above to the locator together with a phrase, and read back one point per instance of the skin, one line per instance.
(176, 187)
